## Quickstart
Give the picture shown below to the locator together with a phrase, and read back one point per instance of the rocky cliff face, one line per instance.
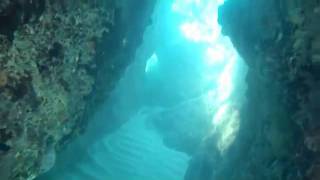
(57, 59)
(279, 135)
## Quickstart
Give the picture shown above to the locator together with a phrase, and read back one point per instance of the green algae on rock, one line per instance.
(45, 59)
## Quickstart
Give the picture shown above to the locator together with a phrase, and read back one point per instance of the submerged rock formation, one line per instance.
(279, 131)
(57, 61)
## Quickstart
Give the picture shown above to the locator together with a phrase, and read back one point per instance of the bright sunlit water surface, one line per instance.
(221, 69)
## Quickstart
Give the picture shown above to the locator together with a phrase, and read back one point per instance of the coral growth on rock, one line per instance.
(47, 76)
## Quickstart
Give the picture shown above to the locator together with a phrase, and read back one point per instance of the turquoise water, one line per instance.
(133, 152)
(183, 57)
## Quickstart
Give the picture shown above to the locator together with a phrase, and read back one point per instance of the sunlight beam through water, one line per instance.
(200, 25)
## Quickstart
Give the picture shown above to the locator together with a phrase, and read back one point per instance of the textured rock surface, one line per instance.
(178, 127)
(54, 64)
(279, 135)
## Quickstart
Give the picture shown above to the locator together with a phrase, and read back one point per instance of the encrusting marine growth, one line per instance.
(49, 74)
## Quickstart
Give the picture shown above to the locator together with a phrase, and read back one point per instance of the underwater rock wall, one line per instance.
(55, 66)
(280, 129)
